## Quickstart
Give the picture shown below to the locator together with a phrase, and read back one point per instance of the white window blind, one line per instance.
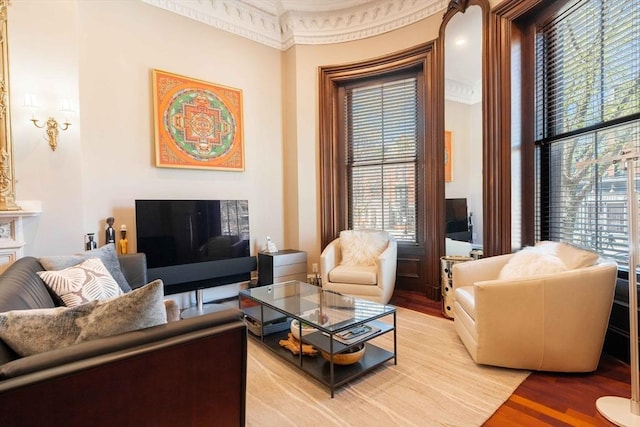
(587, 111)
(381, 153)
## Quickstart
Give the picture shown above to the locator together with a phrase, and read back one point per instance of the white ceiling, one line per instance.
(463, 60)
(278, 7)
(284, 23)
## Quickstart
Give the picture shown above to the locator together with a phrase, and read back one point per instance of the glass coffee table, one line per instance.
(332, 323)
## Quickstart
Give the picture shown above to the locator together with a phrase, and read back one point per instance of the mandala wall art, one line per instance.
(198, 125)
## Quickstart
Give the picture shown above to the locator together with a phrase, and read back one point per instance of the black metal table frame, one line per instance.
(320, 338)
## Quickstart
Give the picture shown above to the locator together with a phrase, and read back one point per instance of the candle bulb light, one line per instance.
(53, 127)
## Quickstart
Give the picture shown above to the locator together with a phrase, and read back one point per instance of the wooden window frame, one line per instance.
(333, 199)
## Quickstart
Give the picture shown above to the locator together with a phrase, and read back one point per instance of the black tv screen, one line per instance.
(456, 215)
(177, 232)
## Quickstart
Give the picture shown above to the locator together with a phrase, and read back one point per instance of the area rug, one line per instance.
(435, 383)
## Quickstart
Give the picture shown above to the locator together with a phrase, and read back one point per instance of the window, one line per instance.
(587, 111)
(381, 144)
(379, 156)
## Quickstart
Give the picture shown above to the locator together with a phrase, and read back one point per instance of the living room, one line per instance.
(99, 55)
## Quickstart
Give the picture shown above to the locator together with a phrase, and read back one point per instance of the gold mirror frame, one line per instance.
(496, 182)
(7, 177)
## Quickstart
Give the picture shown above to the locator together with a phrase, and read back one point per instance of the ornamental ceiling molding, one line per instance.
(233, 16)
(465, 93)
(366, 20)
(283, 23)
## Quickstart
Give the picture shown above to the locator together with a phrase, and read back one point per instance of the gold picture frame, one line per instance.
(197, 124)
(448, 156)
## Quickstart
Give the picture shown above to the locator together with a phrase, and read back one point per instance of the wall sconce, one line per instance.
(53, 127)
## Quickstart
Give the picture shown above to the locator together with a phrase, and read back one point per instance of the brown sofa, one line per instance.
(187, 372)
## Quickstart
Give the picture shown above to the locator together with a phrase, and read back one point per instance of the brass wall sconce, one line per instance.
(53, 128)
(52, 125)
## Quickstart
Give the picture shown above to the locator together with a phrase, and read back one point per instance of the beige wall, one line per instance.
(305, 136)
(43, 51)
(100, 53)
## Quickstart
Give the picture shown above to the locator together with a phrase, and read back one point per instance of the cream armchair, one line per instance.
(361, 263)
(546, 322)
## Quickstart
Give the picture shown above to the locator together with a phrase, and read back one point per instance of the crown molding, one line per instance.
(366, 20)
(465, 93)
(284, 23)
(233, 16)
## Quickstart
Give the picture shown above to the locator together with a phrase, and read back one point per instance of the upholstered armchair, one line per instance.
(361, 263)
(544, 308)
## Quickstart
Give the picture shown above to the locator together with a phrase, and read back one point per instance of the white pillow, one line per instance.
(362, 247)
(88, 281)
(572, 256)
(531, 261)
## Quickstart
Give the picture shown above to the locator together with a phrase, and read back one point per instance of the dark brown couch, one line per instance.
(190, 372)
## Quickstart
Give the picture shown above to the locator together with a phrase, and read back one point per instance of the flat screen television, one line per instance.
(192, 244)
(457, 220)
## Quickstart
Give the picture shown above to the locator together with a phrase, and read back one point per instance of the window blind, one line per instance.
(587, 67)
(587, 111)
(381, 153)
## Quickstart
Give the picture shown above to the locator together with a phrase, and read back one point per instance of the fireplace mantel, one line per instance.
(12, 231)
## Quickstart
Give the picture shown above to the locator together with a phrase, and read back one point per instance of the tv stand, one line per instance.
(200, 308)
(463, 236)
(208, 274)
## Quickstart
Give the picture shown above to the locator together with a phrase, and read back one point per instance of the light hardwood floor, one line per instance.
(547, 399)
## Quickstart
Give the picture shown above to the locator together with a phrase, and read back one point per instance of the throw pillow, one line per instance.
(138, 309)
(107, 255)
(35, 331)
(82, 283)
(531, 261)
(362, 247)
(572, 256)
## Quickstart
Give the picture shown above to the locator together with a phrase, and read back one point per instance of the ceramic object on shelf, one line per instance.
(314, 316)
(295, 329)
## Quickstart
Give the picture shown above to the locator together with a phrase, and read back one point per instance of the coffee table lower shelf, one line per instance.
(320, 369)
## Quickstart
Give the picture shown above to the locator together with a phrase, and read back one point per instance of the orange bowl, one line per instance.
(345, 358)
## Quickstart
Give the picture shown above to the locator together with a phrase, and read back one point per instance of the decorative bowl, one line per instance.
(295, 329)
(353, 355)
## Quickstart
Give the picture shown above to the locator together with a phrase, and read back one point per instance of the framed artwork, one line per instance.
(198, 125)
(448, 157)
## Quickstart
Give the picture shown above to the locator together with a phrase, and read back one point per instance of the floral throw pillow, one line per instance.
(88, 281)
(107, 255)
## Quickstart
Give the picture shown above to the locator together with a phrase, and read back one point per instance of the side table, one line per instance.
(446, 285)
(282, 266)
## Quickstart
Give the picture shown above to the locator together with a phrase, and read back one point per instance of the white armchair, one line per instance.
(361, 263)
(547, 321)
